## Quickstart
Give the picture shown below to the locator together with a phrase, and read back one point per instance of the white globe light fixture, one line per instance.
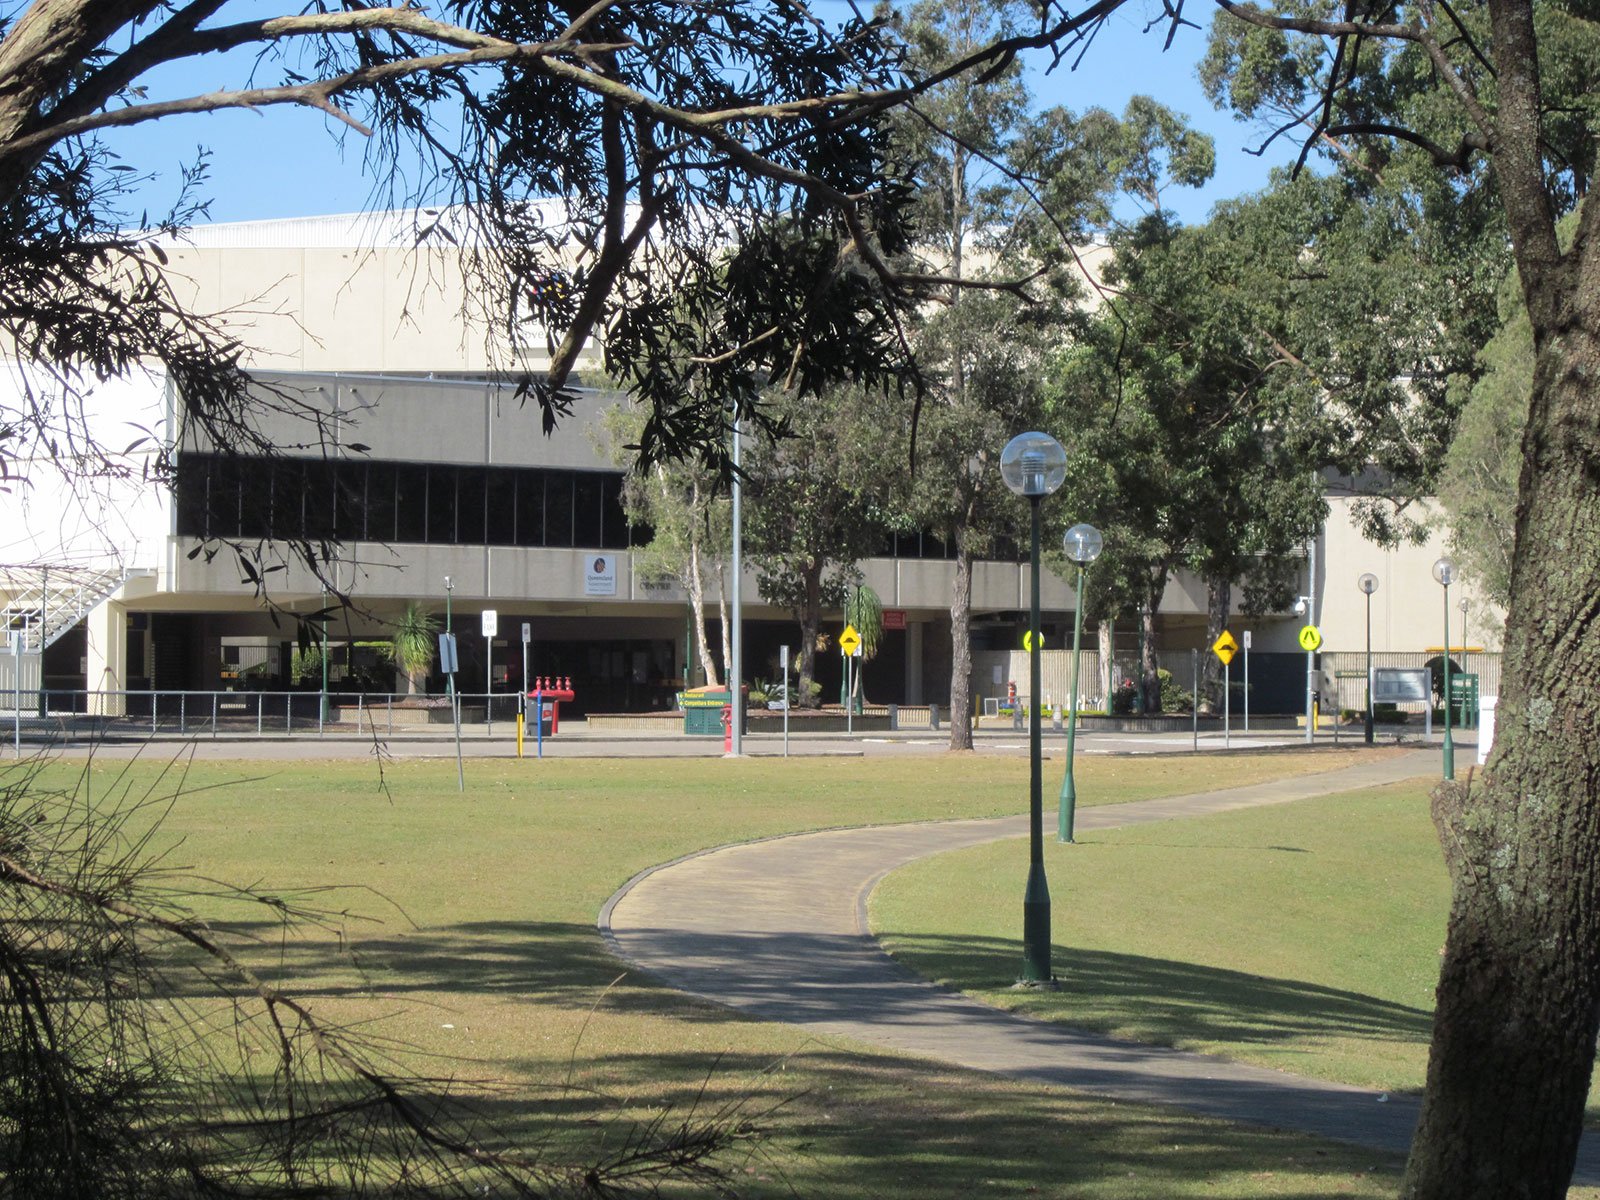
(1082, 544)
(1033, 464)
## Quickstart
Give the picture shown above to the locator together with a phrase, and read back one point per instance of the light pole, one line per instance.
(449, 676)
(1083, 544)
(1034, 465)
(322, 710)
(1368, 583)
(1302, 607)
(1445, 572)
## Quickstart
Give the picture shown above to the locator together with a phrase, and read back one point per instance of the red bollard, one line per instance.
(727, 729)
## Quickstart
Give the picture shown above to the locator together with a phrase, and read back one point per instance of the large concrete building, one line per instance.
(453, 480)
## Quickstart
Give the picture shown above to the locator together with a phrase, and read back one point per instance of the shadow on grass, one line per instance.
(833, 1122)
(804, 978)
(516, 960)
(851, 1124)
(1162, 1000)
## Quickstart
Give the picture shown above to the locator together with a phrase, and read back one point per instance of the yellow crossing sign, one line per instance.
(1310, 638)
(1225, 647)
(1027, 641)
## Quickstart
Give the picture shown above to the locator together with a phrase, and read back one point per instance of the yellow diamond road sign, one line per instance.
(1310, 638)
(850, 640)
(1225, 647)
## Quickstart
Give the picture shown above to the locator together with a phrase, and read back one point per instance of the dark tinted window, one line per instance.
(441, 504)
(318, 505)
(469, 507)
(613, 521)
(288, 499)
(558, 508)
(500, 502)
(411, 503)
(380, 502)
(586, 516)
(350, 500)
(530, 508)
(192, 496)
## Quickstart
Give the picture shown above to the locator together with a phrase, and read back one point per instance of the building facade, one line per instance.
(426, 468)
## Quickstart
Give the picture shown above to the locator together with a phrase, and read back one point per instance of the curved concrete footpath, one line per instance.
(777, 929)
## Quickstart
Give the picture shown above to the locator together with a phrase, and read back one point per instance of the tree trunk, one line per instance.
(810, 616)
(1219, 599)
(1107, 663)
(1519, 988)
(961, 648)
(1150, 664)
(727, 625)
(697, 606)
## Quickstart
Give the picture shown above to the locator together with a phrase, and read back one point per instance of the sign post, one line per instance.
(849, 646)
(1247, 681)
(522, 687)
(449, 664)
(783, 667)
(1225, 648)
(1194, 709)
(1310, 640)
(491, 626)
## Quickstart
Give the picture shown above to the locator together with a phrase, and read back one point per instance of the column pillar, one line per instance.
(106, 648)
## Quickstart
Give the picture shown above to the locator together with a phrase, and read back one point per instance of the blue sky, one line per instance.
(287, 161)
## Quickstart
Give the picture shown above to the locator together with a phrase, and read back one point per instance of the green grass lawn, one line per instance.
(1303, 937)
(485, 952)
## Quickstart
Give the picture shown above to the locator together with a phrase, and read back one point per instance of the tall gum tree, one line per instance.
(1494, 105)
(1002, 194)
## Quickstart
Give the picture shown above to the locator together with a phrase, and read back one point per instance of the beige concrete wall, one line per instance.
(348, 308)
(1408, 609)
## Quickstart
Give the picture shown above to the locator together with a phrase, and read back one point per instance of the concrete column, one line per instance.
(914, 632)
(106, 648)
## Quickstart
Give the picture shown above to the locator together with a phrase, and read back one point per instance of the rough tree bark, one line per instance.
(1219, 600)
(810, 618)
(1150, 662)
(961, 647)
(722, 616)
(1103, 641)
(1519, 989)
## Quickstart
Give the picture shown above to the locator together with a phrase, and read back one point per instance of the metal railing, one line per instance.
(251, 713)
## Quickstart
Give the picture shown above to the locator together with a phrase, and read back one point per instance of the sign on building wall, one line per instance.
(600, 576)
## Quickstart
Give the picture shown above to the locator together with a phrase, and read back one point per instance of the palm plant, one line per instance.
(411, 642)
(864, 610)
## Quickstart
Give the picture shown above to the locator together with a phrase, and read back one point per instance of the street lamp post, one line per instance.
(1034, 465)
(1083, 544)
(1368, 583)
(1445, 572)
(1302, 607)
(322, 709)
(449, 677)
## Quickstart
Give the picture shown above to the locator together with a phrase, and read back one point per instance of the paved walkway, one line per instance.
(777, 929)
